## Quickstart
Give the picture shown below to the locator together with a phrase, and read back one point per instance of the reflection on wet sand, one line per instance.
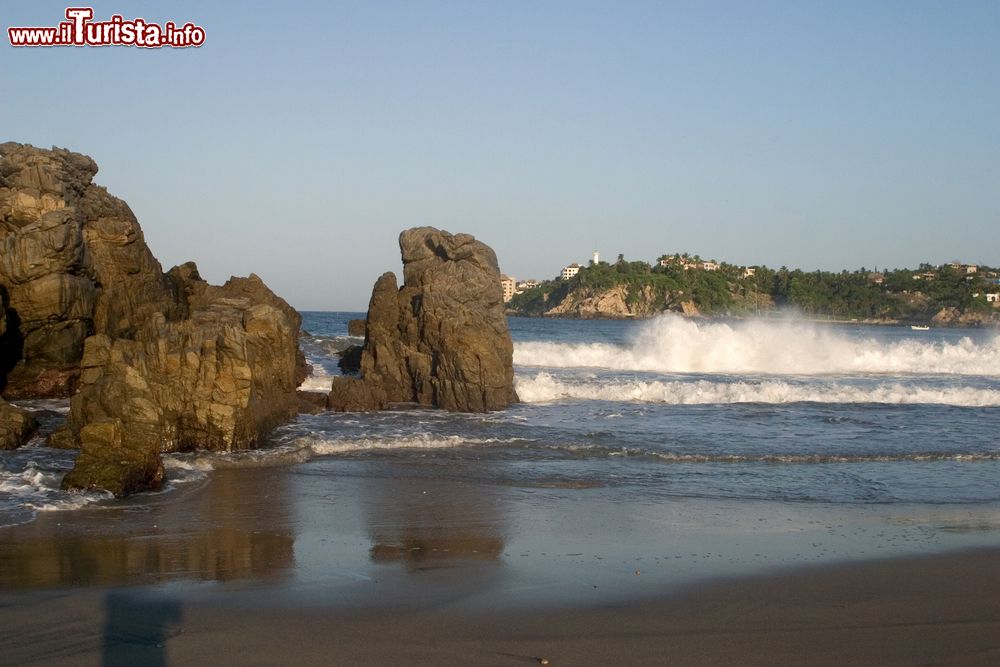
(235, 527)
(424, 525)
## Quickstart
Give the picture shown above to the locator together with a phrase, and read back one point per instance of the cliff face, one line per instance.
(158, 362)
(617, 302)
(611, 303)
(442, 339)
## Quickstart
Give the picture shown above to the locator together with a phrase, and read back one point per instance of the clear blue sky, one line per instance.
(298, 143)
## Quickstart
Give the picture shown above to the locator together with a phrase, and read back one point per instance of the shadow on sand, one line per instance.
(136, 628)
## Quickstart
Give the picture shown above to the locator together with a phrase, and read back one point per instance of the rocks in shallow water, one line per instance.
(116, 458)
(311, 402)
(220, 379)
(356, 328)
(73, 262)
(442, 339)
(16, 426)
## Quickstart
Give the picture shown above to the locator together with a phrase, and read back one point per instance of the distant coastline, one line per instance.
(771, 315)
(948, 295)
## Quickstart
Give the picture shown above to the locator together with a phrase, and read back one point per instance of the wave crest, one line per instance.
(671, 344)
(544, 388)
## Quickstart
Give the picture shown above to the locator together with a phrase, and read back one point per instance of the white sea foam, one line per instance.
(544, 388)
(305, 447)
(318, 381)
(671, 344)
(37, 489)
(60, 405)
(326, 447)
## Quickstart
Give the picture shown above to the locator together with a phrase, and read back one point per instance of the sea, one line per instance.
(718, 447)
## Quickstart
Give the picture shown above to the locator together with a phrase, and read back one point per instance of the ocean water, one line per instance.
(731, 443)
(768, 410)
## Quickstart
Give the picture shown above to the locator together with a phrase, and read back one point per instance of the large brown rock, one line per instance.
(159, 362)
(219, 380)
(16, 426)
(442, 339)
(73, 262)
(111, 459)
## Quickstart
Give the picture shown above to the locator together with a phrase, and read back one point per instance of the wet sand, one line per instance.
(923, 610)
(340, 562)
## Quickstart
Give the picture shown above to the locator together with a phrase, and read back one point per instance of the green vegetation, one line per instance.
(724, 289)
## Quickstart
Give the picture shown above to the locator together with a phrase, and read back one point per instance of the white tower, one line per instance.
(596, 257)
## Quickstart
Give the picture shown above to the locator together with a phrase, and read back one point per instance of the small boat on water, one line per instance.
(917, 327)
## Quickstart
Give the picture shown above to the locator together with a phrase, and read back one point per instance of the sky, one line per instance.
(301, 138)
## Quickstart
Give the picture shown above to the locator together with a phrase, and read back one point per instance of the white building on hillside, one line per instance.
(570, 271)
(507, 284)
(595, 258)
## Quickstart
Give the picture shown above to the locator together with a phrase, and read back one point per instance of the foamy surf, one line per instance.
(545, 388)
(318, 381)
(35, 487)
(671, 344)
(299, 448)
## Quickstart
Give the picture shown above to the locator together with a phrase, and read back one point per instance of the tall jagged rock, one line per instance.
(442, 339)
(162, 362)
(73, 262)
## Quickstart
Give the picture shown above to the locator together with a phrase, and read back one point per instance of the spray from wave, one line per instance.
(544, 388)
(670, 344)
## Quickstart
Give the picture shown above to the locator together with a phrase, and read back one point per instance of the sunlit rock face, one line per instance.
(73, 262)
(155, 362)
(441, 339)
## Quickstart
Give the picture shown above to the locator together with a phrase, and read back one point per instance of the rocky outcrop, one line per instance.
(16, 426)
(954, 317)
(220, 379)
(113, 459)
(160, 362)
(613, 303)
(356, 328)
(73, 262)
(441, 339)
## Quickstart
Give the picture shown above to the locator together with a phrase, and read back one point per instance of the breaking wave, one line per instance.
(671, 344)
(318, 381)
(300, 448)
(35, 487)
(544, 388)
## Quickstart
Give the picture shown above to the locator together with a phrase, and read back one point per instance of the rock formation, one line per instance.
(160, 362)
(220, 380)
(73, 262)
(442, 339)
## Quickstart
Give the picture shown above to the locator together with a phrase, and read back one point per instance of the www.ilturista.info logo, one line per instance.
(80, 30)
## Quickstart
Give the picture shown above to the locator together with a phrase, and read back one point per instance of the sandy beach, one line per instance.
(926, 610)
(280, 565)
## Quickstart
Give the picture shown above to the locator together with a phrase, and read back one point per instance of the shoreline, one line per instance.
(904, 610)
